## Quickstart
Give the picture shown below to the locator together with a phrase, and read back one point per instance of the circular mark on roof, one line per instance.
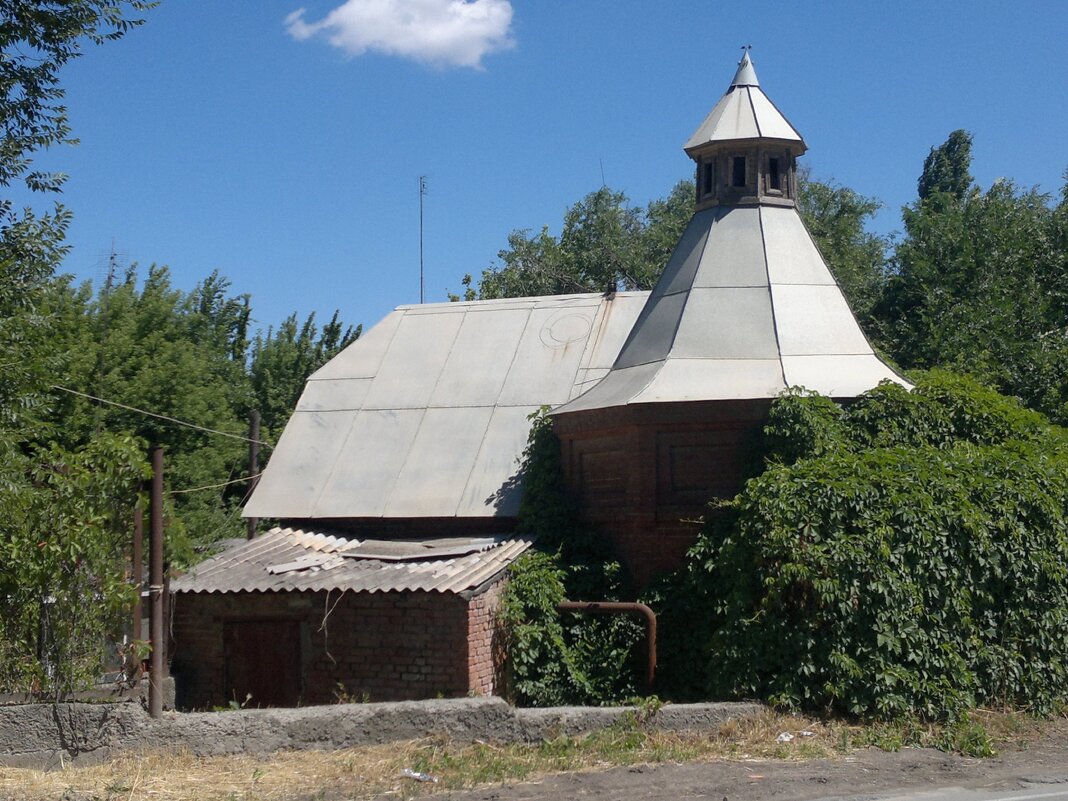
(564, 329)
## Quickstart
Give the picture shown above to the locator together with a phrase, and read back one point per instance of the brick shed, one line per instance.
(295, 617)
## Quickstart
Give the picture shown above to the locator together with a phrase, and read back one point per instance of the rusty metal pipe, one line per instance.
(137, 569)
(623, 608)
(155, 585)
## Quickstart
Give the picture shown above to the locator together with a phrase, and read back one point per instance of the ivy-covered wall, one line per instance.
(907, 554)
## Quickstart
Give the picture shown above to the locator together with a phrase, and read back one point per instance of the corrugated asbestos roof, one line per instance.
(292, 560)
(745, 308)
(744, 112)
(426, 415)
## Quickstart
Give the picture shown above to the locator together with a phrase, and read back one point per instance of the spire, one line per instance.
(746, 74)
(746, 305)
(744, 113)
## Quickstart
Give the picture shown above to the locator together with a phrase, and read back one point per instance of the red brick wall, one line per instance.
(380, 646)
(486, 653)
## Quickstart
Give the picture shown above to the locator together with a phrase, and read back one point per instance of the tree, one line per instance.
(978, 283)
(947, 167)
(58, 554)
(36, 40)
(604, 244)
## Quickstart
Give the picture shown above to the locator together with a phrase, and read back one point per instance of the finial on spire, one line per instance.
(746, 74)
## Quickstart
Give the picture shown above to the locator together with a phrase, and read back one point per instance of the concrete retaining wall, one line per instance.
(41, 735)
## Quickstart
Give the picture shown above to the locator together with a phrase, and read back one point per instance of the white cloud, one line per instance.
(445, 33)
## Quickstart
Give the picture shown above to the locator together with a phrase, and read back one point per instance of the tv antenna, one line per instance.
(422, 194)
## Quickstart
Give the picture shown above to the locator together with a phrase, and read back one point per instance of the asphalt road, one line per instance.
(1037, 793)
(1037, 771)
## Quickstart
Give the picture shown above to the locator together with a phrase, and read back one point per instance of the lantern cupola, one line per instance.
(745, 149)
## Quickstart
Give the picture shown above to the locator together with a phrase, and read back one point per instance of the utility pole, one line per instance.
(253, 464)
(422, 194)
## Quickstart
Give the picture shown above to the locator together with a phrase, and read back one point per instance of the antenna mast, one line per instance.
(422, 194)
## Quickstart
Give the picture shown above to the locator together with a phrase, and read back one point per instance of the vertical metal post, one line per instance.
(422, 194)
(155, 584)
(138, 569)
(253, 463)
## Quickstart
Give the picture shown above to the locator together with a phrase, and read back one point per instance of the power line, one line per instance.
(159, 416)
(215, 486)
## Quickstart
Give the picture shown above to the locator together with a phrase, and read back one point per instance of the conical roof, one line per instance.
(746, 306)
(744, 112)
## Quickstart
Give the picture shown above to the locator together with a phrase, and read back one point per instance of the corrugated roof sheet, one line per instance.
(293, 560)
(426, 415)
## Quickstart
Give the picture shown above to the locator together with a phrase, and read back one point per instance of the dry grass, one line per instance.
(373, 771)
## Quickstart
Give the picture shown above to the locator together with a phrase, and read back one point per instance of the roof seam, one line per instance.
(771, 295)
(756, 118)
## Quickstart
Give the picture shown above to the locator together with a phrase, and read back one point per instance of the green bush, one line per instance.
(907, 554)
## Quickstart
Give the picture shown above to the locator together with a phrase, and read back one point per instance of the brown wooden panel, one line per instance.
(694, 467)
(603, 480)
(262, 659)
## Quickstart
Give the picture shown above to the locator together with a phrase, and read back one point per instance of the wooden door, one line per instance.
(262, 659)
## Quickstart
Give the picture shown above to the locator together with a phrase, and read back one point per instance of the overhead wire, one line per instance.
(215, 486)
(174, 420)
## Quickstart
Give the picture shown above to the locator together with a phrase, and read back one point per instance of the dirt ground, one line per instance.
(1042, 759)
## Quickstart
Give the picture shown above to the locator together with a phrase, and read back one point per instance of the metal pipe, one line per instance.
(253, 464)
(155, 584)
(137, 569)
(623, 608)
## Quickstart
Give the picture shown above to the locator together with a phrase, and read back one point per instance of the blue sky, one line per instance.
(284, 150)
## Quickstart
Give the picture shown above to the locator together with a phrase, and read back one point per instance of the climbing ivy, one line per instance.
(905, 554)
(563, 658)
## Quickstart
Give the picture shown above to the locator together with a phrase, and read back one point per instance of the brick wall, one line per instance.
(379, 646)
(486, 653)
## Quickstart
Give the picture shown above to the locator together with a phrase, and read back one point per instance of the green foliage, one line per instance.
(563, 658)
(63, 585)
(605, 244)
(946, 168)
(979, 283)
(906, 556)
(61, 571)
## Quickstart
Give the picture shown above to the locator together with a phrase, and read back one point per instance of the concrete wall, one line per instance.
(44, 735)
(371, 647)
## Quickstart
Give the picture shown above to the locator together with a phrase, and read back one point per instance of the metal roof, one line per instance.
(744, 112)
(745, 308)
(426, 415)
(746, 74)
(292, 560)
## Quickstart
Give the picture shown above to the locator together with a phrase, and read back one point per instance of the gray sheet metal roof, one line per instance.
(426, 415)
(292, 560)
(745, 308)
(744, 112)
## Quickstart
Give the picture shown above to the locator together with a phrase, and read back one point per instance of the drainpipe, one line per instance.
(623, 608)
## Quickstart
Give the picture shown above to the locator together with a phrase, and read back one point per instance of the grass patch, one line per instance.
(376, 770)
